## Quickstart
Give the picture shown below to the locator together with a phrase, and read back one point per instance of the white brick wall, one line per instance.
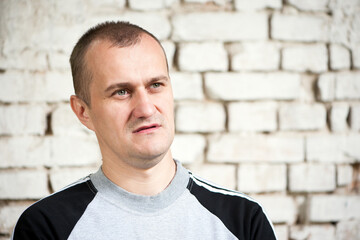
(263, 56)
(245, 86)
(302, 117)
(188, 148)
(30, 184)
(312, 232)
(274, 205)
(252, 116)
(324, 208)
(259, 148)
(339, 57)
(192, 55)
(348, 230)
(301, 27)
(210, 26)
(264, 90)
(194, 117)
(302, 58)
(338, 115)
(332, 148)
(219, 174)
(255, 178)
(9, 215)
(355, 117)
(309, 5)
(187, 86)
(22, 119)
(257, 4)
(312, 177)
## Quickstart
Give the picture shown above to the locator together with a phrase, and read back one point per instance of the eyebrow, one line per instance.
(129, 84)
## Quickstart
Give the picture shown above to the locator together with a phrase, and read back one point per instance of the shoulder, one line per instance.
(242, 215)
(57, 214)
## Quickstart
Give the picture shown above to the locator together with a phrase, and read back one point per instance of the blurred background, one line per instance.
(267, 99)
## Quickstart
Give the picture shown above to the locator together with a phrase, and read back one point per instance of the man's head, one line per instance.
(119, 34)
(131, 108)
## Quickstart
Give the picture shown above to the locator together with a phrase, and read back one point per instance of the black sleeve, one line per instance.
(54, 217)
(261, 228)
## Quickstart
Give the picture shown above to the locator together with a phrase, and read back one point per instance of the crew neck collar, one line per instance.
(119, 196)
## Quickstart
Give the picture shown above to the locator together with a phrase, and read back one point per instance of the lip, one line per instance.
(147, 128)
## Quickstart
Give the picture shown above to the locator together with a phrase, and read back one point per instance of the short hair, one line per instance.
(120, 34)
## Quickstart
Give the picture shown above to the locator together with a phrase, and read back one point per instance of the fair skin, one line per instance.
(131, 113)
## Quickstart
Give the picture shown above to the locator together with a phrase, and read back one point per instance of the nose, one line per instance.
(143, 107)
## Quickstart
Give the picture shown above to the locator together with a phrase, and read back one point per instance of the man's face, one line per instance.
(131, 102)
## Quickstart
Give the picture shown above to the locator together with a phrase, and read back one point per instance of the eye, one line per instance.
(155, 85)
(122, 92)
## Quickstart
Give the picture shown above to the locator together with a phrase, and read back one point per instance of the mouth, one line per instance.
(147, 129)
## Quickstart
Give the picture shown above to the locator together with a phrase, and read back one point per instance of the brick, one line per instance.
(356, 56)
(352, 149)
(338, 117)
(22, 119)
(312, 177)
(21, 86)
(326, 87)
(260, 148)
(339, 57)
(245, 86)
(348, 230)
(74, 151)
(274, 205)
(34, 151)
(332, 148)
(355, 118)
(58, 61)
(257, 4)
(303, 58)
(50, 86)
(187, 86)
(333, 208)
(169, 48)
(219, 174)
(24, 184)
(108, 4)
(252, 116)
(210, 26)
(192, 55)
(25, 60)
(256, 178)
(65, 123)
(154, 22)
(298, 116)
(347, 85)
(200, 117)
(344, 175)
(300, 27)
(308, 5)
(9, 215)
(62, 177)
(217, 2)
(282, 232)
(59, 86)
(312, 232)
(262, 56)
(146, 5)
(188, 148)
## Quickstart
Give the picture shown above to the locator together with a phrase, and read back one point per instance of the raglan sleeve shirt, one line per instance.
(189, 208)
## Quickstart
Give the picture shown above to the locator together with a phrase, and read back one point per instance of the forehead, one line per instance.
(146, 57)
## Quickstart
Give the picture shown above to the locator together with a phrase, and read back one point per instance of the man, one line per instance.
(123, 93)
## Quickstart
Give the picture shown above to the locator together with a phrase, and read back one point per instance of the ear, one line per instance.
(81, 110)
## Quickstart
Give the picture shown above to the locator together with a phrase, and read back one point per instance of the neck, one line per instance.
(149, 182)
